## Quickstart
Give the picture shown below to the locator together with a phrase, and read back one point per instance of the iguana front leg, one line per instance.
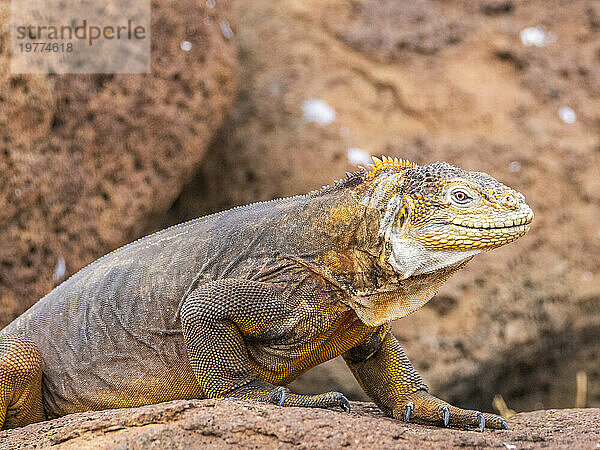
(218, 320)
(388, 377)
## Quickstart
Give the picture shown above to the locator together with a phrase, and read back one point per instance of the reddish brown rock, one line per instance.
(87, 160)
(235, 424)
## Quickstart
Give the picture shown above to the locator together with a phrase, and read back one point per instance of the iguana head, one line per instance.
(437, 215)
(433, 219)
(447, 208)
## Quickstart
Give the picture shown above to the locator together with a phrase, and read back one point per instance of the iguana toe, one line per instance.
(325, 400)
(494, 421)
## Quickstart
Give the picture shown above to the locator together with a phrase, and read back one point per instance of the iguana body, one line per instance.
(242, 302)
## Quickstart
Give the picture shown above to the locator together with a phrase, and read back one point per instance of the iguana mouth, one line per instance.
(513, 227)
(517, 222)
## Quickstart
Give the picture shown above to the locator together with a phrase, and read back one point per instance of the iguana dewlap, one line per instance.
(239, 303)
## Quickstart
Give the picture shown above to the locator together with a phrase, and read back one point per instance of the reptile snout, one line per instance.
(525, 213)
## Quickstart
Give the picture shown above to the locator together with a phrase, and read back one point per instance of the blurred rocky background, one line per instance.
(86, 161)
(313, 88)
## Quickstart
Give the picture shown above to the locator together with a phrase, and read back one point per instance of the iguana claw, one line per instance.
(445, 415)
(344, 403)
(481, 421)
(279, 395)
(410, 406)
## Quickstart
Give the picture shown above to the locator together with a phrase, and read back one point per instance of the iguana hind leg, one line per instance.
(219, 319)
(20, 383)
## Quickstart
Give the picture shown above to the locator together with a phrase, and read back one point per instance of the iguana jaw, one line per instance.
(409, 257)
(475, 232)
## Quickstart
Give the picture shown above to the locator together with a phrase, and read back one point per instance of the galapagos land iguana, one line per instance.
(241, 302)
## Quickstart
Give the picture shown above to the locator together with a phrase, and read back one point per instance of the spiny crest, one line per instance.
(386, 163)
(366, 174)
(351, 177)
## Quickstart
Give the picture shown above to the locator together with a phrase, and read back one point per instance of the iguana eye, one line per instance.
(460, 197)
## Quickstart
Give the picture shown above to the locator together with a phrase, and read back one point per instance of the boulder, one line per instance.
(87, 161)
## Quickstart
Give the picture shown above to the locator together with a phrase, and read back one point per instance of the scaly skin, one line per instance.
(240, 303)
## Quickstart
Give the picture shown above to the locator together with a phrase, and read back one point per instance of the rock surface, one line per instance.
(87, 160)
(235, 424)
(433, 81)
